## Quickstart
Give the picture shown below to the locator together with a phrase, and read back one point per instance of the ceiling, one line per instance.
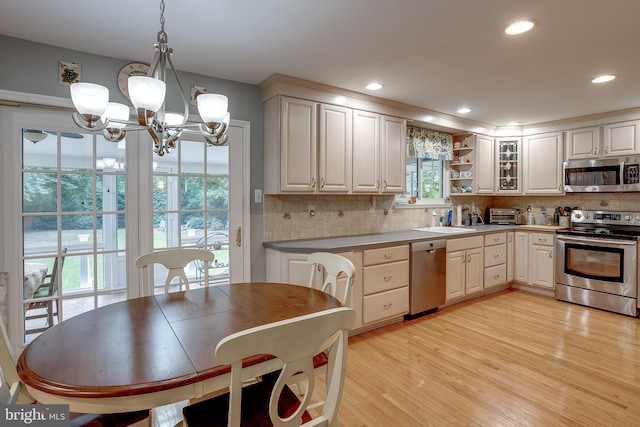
(436, 54)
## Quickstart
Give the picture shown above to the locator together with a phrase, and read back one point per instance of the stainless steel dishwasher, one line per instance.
(427, 284)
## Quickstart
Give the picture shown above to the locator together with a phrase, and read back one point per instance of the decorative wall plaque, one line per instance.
(68, 72)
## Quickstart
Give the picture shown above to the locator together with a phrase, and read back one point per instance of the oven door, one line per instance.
(605, 265)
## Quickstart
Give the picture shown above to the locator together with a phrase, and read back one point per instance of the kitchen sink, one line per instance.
(447, 230)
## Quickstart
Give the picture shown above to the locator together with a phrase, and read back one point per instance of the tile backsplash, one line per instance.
(291, 217)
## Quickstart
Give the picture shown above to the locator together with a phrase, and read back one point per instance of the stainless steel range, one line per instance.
(597, 261)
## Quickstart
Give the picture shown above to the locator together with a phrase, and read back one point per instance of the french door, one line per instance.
(88, 207)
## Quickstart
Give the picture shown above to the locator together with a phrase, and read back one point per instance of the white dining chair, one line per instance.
(333, 265)
(294, 341)
(175, 261)
(13, 391)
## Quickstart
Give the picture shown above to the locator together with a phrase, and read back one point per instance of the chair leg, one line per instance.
(50, 313)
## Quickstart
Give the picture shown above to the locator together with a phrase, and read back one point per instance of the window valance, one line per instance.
(429, 144)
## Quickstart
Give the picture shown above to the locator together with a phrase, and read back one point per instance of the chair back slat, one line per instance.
(333, 265)
(175, 261)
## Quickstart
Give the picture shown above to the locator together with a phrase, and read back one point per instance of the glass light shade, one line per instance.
(173, 119)
(109, 162)
(89, 98)
(146, 92)
(212, 107)
(116, 111)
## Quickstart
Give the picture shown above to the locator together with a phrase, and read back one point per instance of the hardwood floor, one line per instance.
(509, 359)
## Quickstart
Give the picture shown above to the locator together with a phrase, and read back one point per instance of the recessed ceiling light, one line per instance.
(520, 27)
(374, 86)
(603, 79)
(464, 110)
(513, 124)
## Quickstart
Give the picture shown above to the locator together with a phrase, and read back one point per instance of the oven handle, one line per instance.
(596, 241)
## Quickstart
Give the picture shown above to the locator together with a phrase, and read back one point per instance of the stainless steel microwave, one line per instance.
(602, 175)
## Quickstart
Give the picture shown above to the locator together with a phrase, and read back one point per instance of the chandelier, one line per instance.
(147, 93)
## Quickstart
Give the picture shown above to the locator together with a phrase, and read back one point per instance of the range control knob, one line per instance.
(627, 218)
(637, 218)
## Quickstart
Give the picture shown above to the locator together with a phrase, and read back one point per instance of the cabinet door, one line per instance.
(621, 139)
(474, 271)
(334, 149)
(366, 152)
(508, 172)
(393, 155)
(455, 282)
(510, 255)
(520, 271)
(583, 143)
(485, 165)
(541, 266)
(543, 164)
(298, 145)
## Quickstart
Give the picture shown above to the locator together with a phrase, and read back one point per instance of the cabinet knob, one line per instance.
(385, 184)
(388, 256)
(313, 183)
(387, 278)
(387, 306)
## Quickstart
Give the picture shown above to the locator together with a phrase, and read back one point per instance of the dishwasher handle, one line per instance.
(429, 245)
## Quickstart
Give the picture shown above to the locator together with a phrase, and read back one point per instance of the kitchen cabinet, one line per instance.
(464, 266)
(521, 255)
(485, 165)
(508, 152)
(535, 258)
(380, 293)
(541, 260)
(510, 255)
(379, 155)
(385, 288)
(542, 167)
(308, 147)
(495, 259)
(609, 140)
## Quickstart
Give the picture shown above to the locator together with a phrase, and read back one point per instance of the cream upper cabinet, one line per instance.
(308, 147)
(509, 154)
(621, 139)
(379, 155)
(484, 165)
(334, 149)
(542, 169)
(366, 152)
(610, 140)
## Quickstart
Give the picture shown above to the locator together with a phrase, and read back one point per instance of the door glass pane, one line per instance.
(73, 217)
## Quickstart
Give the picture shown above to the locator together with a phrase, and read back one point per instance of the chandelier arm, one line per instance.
(184, 98)
(113, 135)
(91, 126)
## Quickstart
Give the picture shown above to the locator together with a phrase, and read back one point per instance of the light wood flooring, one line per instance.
(513, 358)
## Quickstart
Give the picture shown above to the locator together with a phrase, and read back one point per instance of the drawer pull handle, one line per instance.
(497, 276)
(387, 306)
(496, 256)
(388, 256)
(387, 278)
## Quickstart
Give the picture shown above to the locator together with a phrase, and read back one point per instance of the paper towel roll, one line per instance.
(459, 215)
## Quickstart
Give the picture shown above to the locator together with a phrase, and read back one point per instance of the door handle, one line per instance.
(239, 237)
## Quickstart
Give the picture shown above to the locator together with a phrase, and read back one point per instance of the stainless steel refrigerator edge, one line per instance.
(427, 284)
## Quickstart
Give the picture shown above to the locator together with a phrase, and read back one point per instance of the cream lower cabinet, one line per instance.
(495, 259)
(510, 255)
(465, 267)
(535, 259)
(380, 292)
(541, 259)
(385, 283)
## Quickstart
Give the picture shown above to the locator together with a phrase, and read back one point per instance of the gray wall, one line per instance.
(33, 68)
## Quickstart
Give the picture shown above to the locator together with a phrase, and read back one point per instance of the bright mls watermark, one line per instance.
(34, 415)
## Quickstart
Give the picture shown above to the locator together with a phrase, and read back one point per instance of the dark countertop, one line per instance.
(337, 244)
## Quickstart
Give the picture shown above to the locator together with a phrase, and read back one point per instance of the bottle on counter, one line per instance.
(529, 216)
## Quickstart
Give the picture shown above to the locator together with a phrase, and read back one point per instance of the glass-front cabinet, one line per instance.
(509, 174)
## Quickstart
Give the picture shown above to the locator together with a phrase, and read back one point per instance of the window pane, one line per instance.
(192, 195)
(192, 155)
(218, 193)
(76, 151)
(77, 192)
(39, 149)
(39, 192)
(39, 234)
(431, 179)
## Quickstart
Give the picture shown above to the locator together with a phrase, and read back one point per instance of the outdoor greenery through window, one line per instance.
(425, 178)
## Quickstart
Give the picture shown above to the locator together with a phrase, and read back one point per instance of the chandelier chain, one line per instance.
(162, 36)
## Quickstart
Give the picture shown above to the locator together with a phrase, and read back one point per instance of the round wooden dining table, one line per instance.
(151, 351)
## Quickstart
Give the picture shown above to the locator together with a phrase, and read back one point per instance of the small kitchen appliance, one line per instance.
(504, 216)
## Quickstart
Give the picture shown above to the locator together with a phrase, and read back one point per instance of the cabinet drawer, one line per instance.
(495, 239)
(382, 255)
(382, 277)
(495, 255)
(385, 304)
(496, 275)
(543, 239)
(464, 243)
